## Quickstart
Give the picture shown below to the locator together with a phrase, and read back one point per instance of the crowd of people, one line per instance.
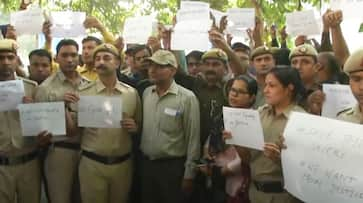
(171, 146)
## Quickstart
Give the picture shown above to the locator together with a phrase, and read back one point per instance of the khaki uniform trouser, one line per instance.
(102, 183)
(20, 183)
(261, 197)
(60, 168)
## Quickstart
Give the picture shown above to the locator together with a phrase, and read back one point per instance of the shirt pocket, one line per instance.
(171, 120)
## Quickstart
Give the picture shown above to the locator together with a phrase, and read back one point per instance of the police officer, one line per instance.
(19, 166)
(105, 168)
(62, 160)
(354, 68)
(262, 60)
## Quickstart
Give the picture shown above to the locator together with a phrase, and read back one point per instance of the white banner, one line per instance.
(28, 21)
(241, 17)
(11, 94)
(99, 112)
(38, 117)
(323, 159)
(137, 30)
(245, 126)
(302, 23)
(68, 24)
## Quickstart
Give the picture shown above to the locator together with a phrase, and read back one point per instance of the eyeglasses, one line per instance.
(238, 91)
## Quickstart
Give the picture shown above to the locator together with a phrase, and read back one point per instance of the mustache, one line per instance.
(101, 66)
(210, 72)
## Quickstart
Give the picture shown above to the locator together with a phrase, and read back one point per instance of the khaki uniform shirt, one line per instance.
(263, 168)
(260, 98)
(90, 74)
(353, 115)
(111, 141)
(171, 126)
(12, 142)
(53, 90)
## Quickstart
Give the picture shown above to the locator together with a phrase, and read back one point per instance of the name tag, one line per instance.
(170, 112)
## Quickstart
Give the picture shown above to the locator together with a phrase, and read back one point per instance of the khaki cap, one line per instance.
(106, 48)
(354, 62)
(8, 45)
(303, 50)
(164, 57)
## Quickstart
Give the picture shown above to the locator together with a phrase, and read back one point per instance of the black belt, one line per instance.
(17, 160)
(67, 145)
(105, 159)
(164, 159)
(269, 186)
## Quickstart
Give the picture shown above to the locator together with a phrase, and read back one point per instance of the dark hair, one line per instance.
(195, 54)
(40, 52)
(136, 48)
(239, 46)
(332, 62)
(282, 56)
(287, 76)
(66, 42)
(250, 82)
(92, 38)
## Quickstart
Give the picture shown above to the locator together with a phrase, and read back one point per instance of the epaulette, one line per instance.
(125, 85)
(86, 86)
(28, 81)
(349, 111)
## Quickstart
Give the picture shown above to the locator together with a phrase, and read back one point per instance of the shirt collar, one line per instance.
(173, 89)
(286, 113)
(100, 86)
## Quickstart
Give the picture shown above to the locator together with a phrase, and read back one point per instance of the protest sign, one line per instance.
(241, 17)
(193, 10)
(302, 23)
(191, 35)
(322, 160)
(68, 24)
(99, 112)
(38, 117)
(27, 21)
(337, 98)
(11, 94)
(245, 126)
(137, 30)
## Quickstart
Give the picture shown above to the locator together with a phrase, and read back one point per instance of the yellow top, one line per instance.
(89, 73)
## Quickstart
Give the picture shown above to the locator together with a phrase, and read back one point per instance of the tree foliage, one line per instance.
(113, 13)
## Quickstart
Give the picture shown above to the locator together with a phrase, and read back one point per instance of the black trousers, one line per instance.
(162, 180)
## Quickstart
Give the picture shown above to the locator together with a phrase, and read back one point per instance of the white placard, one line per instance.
(322, 159)
(337, 98)
(68, 24)
(245, 126)
(193, 10)
(191, 35)
(137, 30)
(302, 23)
(38, 117)
(11, 94)
(193, 5)
(99, 112)
(28, 21)
(241, 17)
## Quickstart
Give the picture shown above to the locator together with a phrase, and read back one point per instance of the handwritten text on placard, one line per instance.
(99, 112)
(39, 117)
(245, 126)
(322, 159)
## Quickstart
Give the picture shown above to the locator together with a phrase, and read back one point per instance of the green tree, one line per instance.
(113, 13)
